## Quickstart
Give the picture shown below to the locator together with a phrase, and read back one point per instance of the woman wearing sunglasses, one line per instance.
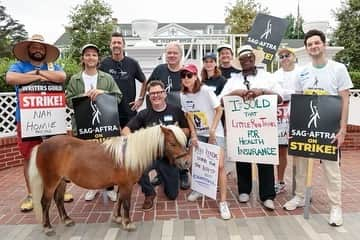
(203, 112)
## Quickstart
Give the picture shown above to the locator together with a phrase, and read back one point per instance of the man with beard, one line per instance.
(36, 63)
(124, 70)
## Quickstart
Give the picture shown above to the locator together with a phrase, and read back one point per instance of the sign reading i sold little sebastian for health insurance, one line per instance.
(251, 128)
(314, 122)
(42, 110)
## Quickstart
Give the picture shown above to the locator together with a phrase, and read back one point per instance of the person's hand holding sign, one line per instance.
(93, 93)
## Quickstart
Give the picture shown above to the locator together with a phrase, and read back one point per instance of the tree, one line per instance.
(241, 16)
(347, 34)
(90, 23)
(11, 31)
(294, 29)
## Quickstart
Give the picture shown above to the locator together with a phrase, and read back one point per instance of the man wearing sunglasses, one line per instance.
(159, 112)
(286, 77)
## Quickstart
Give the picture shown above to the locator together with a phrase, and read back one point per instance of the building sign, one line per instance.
(42, 110)
(251, 128)
(283, 123)
(97, 119)
(266, 34)
(314, 122)
(205, 165)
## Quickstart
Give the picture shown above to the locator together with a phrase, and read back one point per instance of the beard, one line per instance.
(37, 56)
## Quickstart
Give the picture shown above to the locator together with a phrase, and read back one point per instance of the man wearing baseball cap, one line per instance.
(36, 63)
(226, 56)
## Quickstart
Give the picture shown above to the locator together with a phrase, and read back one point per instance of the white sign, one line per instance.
(205, 169)
(42, 114)
(251, 126)
(283, 123)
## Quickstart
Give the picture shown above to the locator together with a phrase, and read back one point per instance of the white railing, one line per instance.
(8, 106)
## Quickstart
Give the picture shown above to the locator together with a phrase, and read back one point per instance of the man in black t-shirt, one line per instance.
(226, 56)
(124, 70)
(159, 112)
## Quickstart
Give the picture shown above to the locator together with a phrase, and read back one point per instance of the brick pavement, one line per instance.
(12, 191)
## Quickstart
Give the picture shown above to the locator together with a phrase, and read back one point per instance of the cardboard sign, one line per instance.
(96, 119)
(251, 128)
(283, 123)
(205, 169)
(42, 110)
(314, 122)
(266, 34)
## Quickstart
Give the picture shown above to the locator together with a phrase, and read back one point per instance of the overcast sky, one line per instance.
(49, 17)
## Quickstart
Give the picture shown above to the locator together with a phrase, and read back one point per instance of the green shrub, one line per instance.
(4, 66)
(355, 77)
(70, 67)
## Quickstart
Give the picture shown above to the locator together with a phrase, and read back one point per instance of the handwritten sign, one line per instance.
(283, 123)
(314, 127)
(205, 165)
(251, 128)
(42, 113)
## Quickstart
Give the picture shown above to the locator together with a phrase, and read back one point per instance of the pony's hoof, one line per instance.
(117, 219)
(69, 222)
(49, 231)
(129, 227)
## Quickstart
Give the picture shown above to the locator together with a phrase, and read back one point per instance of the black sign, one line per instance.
(96, 119)
(314, 122)
(266, 34)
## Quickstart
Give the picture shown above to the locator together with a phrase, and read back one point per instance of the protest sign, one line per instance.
(251, 128)
(283, 123)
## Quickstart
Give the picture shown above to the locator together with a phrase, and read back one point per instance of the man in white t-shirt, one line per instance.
(323, 76)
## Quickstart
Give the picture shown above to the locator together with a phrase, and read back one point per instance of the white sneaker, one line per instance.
(244, 197)
(112, 195)
(193, 196)
(336, 216)
(224, 211)
(280, 187)
(269, 204)
(90, 195)
(294, 203)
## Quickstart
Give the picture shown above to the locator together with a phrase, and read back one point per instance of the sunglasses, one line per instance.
(186, 74)
(284, 56)
(156, 93)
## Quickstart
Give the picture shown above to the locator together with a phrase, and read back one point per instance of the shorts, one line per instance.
(26, 145)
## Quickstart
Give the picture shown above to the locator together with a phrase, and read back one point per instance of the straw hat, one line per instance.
(245, 49)
(20, 49)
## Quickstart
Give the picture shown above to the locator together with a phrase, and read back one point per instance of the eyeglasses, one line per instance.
(284, 56)
(186, 74)
(155, 93)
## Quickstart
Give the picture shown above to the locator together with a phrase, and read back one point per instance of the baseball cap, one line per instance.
(286, 49)
(89, 45)
(220, 47)
(190, 68)
(209, 55)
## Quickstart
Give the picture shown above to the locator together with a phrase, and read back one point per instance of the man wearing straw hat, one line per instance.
(250, 83)
(36, 63)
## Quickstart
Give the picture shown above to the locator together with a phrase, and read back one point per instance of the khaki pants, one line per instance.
(332, 175)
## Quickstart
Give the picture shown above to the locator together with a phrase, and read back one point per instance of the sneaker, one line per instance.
(112, 195)
(156, 181)
(244, 197)
(269, 204)
(90, 195)
(148, 202)
(27, 204)
(336, 216)
(184, 180)
(193, 196)
(280, 187)
(68, 197)
(294, 203)
(224, 211)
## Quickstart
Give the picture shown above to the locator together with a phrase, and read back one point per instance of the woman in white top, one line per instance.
(203, 112)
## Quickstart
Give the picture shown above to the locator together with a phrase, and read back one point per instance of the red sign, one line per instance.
(42, 100)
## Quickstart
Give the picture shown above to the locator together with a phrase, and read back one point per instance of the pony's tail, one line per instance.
(36, 184)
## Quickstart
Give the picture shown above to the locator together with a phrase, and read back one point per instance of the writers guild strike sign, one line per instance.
(266, 34)
(251, 128)
(314, 122)
(96, 119)
(205, 165)
(42, 109)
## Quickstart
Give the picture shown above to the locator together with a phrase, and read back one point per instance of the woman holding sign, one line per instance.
(203, 112)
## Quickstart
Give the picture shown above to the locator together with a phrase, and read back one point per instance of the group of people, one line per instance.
(192, 99)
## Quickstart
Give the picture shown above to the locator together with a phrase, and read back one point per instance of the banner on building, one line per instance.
(205, 169)
(314, 122)
(42, 110)
(251, 128)
(266, 34)
(97, 119)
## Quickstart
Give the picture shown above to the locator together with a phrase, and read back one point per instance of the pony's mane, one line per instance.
(141, 147)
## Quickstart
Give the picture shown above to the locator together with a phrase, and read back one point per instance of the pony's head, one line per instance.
(175, 146)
